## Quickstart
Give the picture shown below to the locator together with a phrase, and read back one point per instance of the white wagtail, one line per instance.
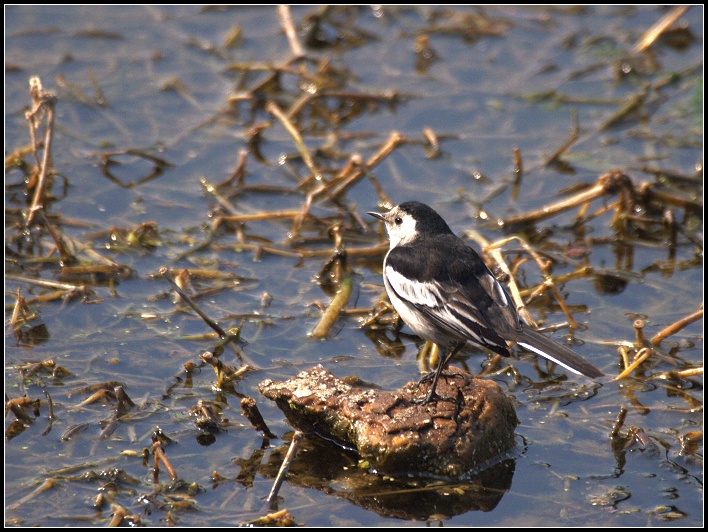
(446, 294)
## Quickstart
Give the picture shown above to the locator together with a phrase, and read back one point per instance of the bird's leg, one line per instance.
(445, 357)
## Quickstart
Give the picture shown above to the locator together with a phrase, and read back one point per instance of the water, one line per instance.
(167, 75)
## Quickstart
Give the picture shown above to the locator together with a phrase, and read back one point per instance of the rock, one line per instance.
(473, 423)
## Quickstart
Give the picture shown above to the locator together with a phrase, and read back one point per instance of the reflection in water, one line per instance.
(325, 466)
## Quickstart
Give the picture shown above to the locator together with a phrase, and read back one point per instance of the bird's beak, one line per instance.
(377, 215)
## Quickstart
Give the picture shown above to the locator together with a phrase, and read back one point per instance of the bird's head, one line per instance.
(409, 220)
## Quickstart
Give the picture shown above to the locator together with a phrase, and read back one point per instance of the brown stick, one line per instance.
(676, 326)
(568, 143)
(640, 357)
(273, 109)
(608, 183)
(286, 21)
(391, 143)
(40, 100)
(653, 33)
(292, 451)
(251, 412)
(518, 173)
(211, 323)
(160, 456)
(261, 216)
(333, 309)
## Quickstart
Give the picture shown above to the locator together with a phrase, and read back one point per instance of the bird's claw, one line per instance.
(427, 377)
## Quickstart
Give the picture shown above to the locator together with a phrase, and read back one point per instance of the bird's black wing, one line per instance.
(447, 289)
(466, 299)
(504, 318)
(501, 314)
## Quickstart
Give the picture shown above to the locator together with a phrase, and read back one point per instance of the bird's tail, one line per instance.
(544, 346)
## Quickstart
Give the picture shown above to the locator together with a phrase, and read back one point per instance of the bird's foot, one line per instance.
(427, 377)
(427, 399)
(431, 395)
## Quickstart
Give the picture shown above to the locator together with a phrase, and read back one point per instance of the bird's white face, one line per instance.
(400, 226)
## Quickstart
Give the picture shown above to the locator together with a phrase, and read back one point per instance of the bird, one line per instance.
(442, 289)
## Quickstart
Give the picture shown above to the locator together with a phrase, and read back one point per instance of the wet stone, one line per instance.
(473, 423)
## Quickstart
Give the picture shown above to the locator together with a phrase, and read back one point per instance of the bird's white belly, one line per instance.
(416, 321)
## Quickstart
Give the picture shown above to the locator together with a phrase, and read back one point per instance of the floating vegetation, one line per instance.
(185, 218)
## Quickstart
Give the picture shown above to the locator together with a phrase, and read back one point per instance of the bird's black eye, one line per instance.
(398, 220)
